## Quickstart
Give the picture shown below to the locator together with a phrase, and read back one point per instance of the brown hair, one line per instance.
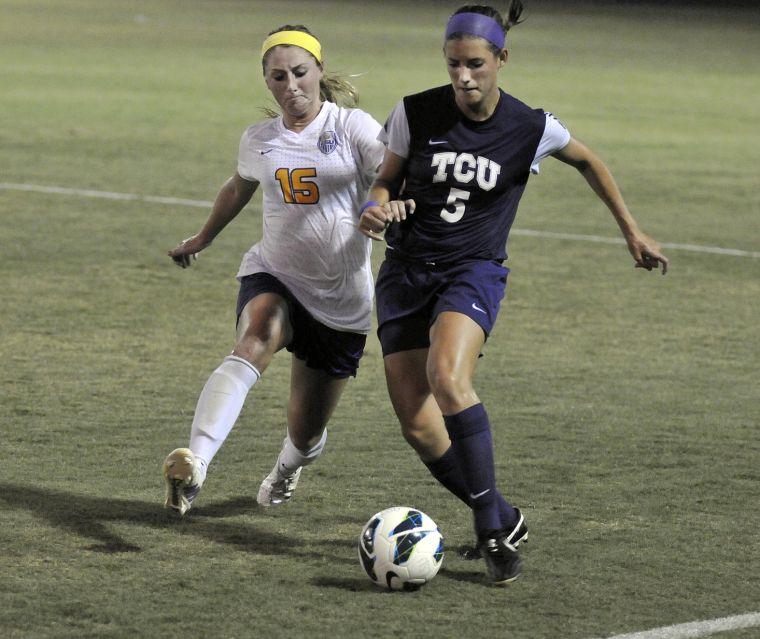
(332, 87)
(513, 18)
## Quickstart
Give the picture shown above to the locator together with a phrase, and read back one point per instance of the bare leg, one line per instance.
(417, 411)
(313, 396)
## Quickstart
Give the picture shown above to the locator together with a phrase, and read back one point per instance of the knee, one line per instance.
(263, 329)
(253, 349)
(428, 440)
(415, 434)
(451, 389)
(258, 344)
(416, 424)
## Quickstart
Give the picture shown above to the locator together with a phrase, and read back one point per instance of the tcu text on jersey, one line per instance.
(466, 167)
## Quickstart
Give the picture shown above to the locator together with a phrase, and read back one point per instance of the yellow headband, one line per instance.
(295, 38)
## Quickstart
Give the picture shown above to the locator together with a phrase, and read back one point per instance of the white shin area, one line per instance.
(219, 406)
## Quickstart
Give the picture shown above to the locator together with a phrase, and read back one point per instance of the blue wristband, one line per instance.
(366, 205)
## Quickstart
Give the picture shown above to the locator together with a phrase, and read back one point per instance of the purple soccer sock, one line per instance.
(446, 471)
(471, 441)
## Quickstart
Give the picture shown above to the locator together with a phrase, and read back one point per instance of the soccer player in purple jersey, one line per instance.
(457, 160)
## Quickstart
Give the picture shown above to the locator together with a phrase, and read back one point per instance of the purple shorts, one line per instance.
(337, 353)
(410, 295)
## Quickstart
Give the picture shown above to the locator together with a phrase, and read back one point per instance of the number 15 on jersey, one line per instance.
(296, 186)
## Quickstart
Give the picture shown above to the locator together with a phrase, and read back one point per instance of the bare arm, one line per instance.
(235, 193)
(384, 190)
(645, 251)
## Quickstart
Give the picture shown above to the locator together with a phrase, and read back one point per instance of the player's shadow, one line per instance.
(87, 516)
(352, 585)
(229, 508)
(365, 585)
(474, 576)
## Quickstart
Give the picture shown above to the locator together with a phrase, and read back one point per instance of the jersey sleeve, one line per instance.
(555, 137)
(363, 130)
(395, 134)
(248, 168)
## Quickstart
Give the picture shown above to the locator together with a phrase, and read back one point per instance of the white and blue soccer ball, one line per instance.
(401, 548)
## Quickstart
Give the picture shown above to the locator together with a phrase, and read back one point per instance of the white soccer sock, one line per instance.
(292, 458)
(219, 405)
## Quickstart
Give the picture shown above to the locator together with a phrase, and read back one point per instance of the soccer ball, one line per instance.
(401, 548)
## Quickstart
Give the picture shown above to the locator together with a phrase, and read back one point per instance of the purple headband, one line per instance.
(478, 25)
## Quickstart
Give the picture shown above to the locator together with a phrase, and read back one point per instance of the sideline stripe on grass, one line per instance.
(108, 195)
(696, 248)
(693, 629)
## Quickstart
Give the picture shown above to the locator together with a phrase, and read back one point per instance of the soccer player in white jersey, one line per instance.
(307, 284)
(461, 155)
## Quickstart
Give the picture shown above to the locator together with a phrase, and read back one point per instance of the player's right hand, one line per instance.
(187, 251)
(646, 252)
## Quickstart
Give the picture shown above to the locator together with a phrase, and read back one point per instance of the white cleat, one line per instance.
(276, 489)
(183, 479)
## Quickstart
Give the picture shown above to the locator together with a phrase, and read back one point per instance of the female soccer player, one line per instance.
(458, 157)
(307, 284)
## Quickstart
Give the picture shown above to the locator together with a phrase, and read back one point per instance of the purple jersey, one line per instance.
(466, 177)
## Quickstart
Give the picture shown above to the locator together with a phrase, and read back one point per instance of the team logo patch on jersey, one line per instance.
(327, 142)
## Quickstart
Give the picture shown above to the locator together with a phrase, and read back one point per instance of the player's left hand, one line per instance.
(375, 219)
(646, 253)
(396, 210)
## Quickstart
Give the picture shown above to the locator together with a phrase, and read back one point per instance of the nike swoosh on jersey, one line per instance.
(265, 152)
(432, 141)
(477, 308)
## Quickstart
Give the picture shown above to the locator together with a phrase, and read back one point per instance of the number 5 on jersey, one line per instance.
(296, 187)
(457, 199)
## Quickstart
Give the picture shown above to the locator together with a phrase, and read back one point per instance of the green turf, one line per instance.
(625, 404)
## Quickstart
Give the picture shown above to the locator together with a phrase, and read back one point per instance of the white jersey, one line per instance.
(314, 184)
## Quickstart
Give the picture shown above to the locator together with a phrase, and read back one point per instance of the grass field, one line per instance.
(624, 404)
